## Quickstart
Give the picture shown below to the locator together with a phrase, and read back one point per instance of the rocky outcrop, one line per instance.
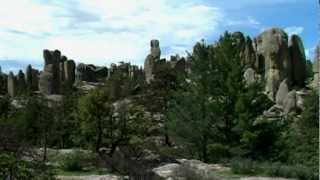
(151, 59)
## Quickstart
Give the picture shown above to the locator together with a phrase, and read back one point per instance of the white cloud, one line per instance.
(294, 30)
(248, 22)
(102, 30)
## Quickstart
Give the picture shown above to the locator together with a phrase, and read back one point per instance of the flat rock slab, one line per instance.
(91, 177)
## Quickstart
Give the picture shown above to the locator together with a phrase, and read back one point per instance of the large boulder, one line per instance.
(298, 58)
(282, 92)
(272, 49)
(250, 76)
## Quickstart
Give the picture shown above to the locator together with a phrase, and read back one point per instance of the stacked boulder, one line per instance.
(151, 60)
(58, 73)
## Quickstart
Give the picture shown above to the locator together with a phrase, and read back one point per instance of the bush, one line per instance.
(217, 152)
(244, 166)
(75, 161)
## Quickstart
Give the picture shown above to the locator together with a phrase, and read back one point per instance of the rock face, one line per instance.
(273, 59)
(58, 73)
(151, 59)
(298, 58)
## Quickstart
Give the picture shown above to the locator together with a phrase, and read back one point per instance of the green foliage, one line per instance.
(217, 152)
(15, 168)
(302, 136)
(214, 105)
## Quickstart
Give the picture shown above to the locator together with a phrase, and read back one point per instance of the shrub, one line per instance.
(244, 166)
(217, 152)
(75, 161)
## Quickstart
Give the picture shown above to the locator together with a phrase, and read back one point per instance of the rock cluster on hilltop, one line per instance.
(272, 56)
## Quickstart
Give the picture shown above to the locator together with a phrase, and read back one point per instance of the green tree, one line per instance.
(203, 112)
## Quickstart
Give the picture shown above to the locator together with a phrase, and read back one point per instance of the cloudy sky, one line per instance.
(105, 31)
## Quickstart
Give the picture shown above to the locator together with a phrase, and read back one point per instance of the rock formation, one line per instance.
(12, 85)
(273, 52)
(58, 73)
(151, 59)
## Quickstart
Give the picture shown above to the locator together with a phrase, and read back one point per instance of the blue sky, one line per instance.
(105, 31)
